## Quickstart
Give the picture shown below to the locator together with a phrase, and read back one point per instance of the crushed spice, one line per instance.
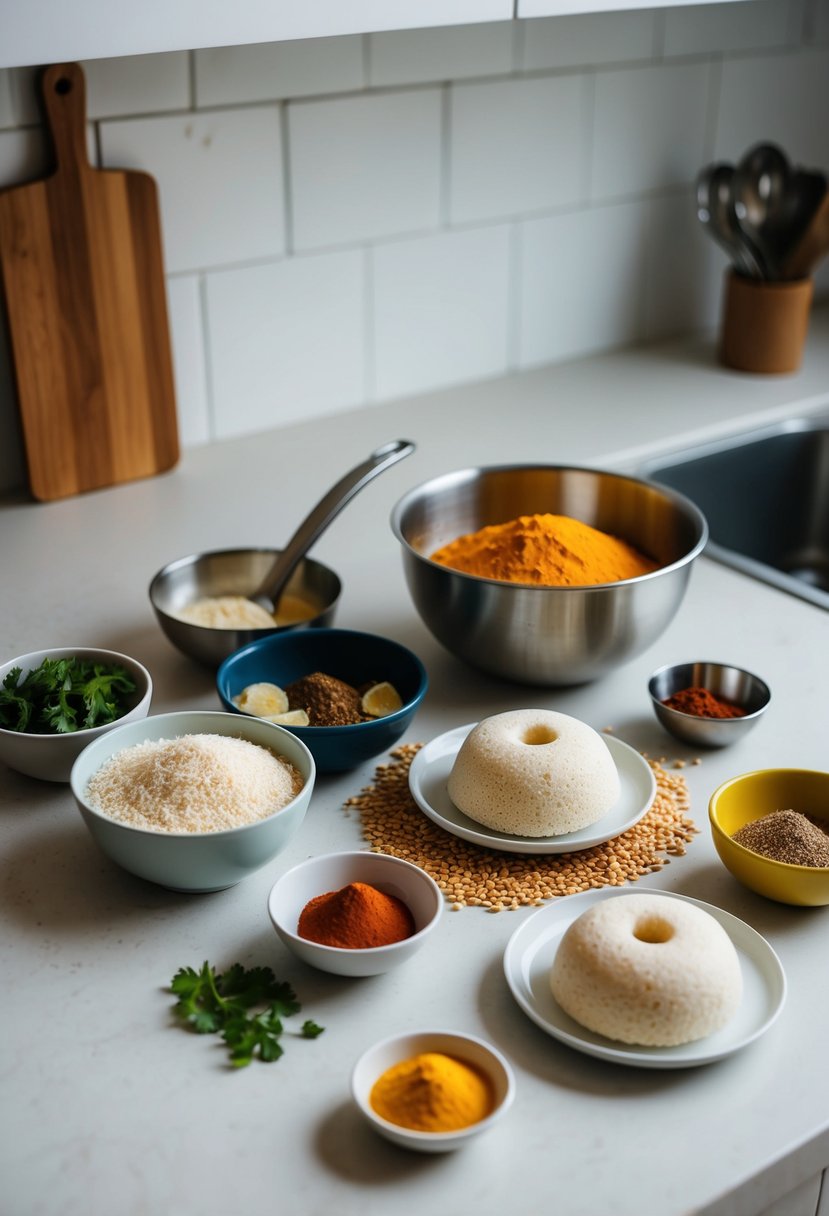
(703, 703)
(326, 700)
(786, 836)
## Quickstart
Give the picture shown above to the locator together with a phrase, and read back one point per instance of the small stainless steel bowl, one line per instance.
(233, 572)
(733, 683)
(547, 635)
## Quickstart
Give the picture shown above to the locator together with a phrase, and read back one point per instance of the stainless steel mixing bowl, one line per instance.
(547, 635)
(233, 572)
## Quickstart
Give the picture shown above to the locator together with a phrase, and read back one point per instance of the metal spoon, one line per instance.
(328, 507)
(715, 211)
(774, 203)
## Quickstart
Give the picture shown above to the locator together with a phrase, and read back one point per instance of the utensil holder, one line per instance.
(764, 324)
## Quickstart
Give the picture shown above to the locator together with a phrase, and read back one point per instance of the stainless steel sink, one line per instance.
(765, 494)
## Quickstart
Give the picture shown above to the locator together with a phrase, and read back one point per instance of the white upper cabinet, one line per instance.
(556, 8)
(52, 31)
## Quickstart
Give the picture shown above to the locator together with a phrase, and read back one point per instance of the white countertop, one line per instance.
(109, 1108)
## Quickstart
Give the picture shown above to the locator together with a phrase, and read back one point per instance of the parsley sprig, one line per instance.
(64, 695)
(226, 1004)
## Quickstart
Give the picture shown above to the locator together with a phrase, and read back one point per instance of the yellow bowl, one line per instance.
(754, 795)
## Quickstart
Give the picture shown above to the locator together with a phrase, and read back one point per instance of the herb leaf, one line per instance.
(64, 695)
(223, 1004)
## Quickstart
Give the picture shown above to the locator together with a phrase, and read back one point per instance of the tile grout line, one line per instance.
(207, 356)
(284, 128)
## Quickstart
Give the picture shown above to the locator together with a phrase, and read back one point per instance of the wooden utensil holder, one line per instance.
(764, 324)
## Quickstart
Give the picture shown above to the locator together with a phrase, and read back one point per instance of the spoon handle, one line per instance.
(812, 246)
(328, 507)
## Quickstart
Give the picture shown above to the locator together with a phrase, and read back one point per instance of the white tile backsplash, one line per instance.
(184, 305)
(780, 98)
(138, 84)
(7, 116)
(719, 28)
(23, 90)
(678, 251)
(230, 75)
(454, 53)
(286, 341)
(582, 282)
(819, 30)
(351, 219)
(583, 39)
(220, 179)
(516, 146)
(441, 310)
(24, 156)
(649, 128)
(364, 167)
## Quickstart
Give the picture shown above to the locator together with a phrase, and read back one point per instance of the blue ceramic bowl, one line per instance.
(281, 658)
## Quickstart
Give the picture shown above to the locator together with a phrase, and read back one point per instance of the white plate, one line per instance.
(529, 956)
(432, 765)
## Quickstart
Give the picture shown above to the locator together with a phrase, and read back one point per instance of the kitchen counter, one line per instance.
(109, 1108)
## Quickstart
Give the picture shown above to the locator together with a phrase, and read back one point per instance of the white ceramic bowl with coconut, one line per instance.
(204, 858)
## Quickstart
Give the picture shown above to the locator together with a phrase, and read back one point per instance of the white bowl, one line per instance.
(331, 872)
(374, 1062)
(50, 757)
(195, 861)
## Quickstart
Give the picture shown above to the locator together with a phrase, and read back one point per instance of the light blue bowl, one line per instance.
(356, 658)
(194, 861)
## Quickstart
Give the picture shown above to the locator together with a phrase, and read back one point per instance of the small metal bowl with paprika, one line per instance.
(359, 897)
(708, 704)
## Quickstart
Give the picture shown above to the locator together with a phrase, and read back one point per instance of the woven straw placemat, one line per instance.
(471, 876)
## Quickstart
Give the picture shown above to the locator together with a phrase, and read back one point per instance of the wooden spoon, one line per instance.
(812, 246)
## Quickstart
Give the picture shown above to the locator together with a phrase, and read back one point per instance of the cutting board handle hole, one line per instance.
(63, 86)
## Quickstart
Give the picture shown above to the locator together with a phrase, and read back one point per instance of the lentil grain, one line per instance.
(474, 877)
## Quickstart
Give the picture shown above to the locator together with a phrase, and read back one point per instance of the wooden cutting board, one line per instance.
(82, 269)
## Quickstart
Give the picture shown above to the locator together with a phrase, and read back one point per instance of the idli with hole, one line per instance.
(535, 773)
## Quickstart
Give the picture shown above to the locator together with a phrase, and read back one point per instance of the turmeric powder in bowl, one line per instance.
(545, 550)
(432, 1092)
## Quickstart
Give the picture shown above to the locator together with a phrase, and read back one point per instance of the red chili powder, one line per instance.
(703, 704)
(357, 917)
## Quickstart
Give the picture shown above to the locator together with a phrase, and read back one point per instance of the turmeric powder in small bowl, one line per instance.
(432, 1090)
